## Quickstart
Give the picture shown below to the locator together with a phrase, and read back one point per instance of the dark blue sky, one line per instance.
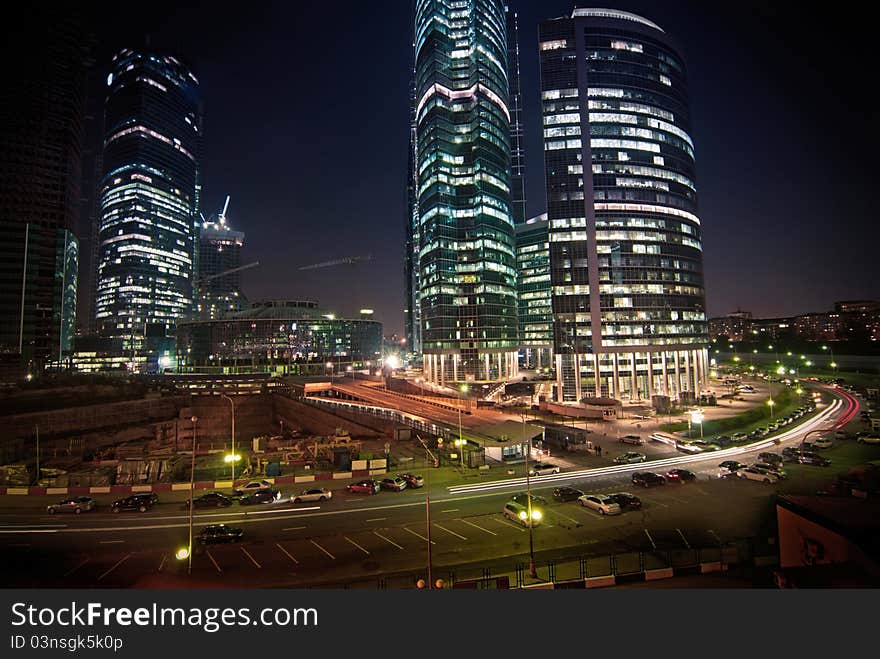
(306, 111)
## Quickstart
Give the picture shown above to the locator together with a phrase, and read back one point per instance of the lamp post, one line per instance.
(232, 457)
(428, 505)
(192, 489)
(533, 572)
(462, 389)
(330, 366)
(697, 417)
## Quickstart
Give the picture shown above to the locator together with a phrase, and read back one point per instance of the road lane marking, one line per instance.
(110, 542)
(322, 549)
(687, 544)
(162, 564)
(356, 545)
(451, 510)
(653, 544)
(286, 553)
(571, 519)
(219, 569)
(71, 571)
(118, 563)
(479, 527)
(376, 519)
(418, 535)
(452, 532)
(387, 540)
(248, 554)
(294, 528)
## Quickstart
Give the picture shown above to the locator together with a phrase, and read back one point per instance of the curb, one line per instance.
(611, 580)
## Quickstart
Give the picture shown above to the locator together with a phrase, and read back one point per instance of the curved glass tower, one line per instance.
(467, 260)
(148, 195)
(626, 260)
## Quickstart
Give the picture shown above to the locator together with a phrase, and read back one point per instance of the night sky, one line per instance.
(306, 126)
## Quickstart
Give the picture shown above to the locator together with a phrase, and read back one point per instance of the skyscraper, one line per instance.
(148, 196)
(533, 289)
(625, 240)
(42, 107)
(412, 319)
(467, 260)
(218, 285)
(517, 134)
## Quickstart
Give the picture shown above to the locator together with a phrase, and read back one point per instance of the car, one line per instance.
(732, 465)
(392, 483)
(313, 494)
(523, 500)
(647, 479)
(772, 458)
(364, 487)
(708, 446)
(869, 439)
(601, 503)
(412, 480)
(543, 468)
(520, 514)
(790, 453)
(812, 458)
(210, 500)
(738, 436)
(632, 439)
(766, 467)
(630, 458)
(253, 486)
(567, 493)
(260, 496)
(214, 533)
(152, 497)
(680, 475)
(688, 447)
(746, 388)
(74, 505)
(819, 442)
(752, 474)
(135, 502)
(626, 501)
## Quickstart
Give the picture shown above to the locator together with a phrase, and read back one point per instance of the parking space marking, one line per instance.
(294, 528)
(506, 523)
(356, 545)
(700, 490)
(219, 569)
(686, 543)
(162, 564)
(72, 570)
(452, 532)
(479, 527)
(376, 519)
(451, 510)
(118, 563)
(286, 553)
(110, 542)
(248, 554)
(653, 544)
(376, 533)
(570, 519)
(418, 535)
(322, 549)
(677, 500)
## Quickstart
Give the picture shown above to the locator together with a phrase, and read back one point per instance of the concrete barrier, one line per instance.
(600, 582)
(662, 573)
(714, 566)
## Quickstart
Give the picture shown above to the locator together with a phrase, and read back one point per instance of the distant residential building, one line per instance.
(857, 306)
(533, 288)
(734, 326)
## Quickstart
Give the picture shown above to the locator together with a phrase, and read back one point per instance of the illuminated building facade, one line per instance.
(625, 240)
(533, 287)
(148, 196)
(517, 133)
(467, 259)
(218, 285)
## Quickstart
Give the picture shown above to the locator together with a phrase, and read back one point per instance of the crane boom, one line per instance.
(342, 261)
(201, 280)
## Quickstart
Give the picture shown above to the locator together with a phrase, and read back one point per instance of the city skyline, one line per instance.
(281, 173)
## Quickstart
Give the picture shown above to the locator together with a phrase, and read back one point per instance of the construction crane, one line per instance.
(342, 261)
(202, 280)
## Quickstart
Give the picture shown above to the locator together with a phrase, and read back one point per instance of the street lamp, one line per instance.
(770, 404)
(461, 390)
(533, 571)
(192, 489)
(330, 366)
(232, 458)
(697, 417)
(428, 504)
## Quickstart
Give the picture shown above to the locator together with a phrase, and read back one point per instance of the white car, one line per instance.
(254, 486)
(75, 505)
(542, 468)
(602, 503)
(630, 458)
(869, 439)
(315, 494)
(752, 474)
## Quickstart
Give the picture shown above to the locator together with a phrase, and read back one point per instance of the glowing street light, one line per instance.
(696, 416)
(770, 404)
(463, 389)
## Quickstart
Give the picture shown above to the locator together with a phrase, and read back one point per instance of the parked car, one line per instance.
(313, 494)
(626, 501)
(791, 453)
(732, 465)
(219, 533)
(364, 487)
(253, 486)
(688, 447)
(812, 458)
(630, 458)
(707, 446)
(412, 480)
(752, 474)
(819, 442)
(520, 514)
(680, 475)
(632, 439)
(869, 439)
(567, 494)
(601, 503)
(392, 483)
(152, 497)
(75, 505)
(134, 502)
(523, 500)
(543, 468)
(768, 468)
(210, 500)
(260, 496)
(772, 458)
(647, 479)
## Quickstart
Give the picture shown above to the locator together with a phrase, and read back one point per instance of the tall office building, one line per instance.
(148, 197)
(625, 240)
(467, 260)
(218, 285)
(517, 134)
(412, 320)
(533, 289)
(42, 107)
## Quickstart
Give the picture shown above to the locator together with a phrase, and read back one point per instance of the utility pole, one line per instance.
(192, 488)
(428, 505)
(37, 428)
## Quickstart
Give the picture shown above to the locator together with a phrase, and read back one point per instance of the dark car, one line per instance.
(566, 494)
(523, 500)
(681, 475)
(135, 502)
(626, 501)
(811, 458)
(210, 500)
(260, 496)
(771, 458)
(412, 480)
(791, 453)
(647, 479)
(363, 487)
(152, 497)
(219, 533)
(732, 465)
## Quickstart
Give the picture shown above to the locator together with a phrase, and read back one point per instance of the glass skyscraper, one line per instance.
(517, 133)
(148, 196)
(533, 287)
(218, 285)
(625, 240)
(467, 260)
